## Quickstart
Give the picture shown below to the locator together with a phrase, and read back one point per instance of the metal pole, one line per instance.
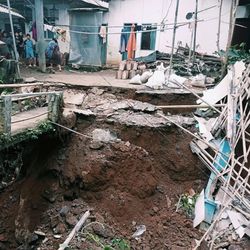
(13, 37)
(40, 35)
(174, 33)
(195, 29)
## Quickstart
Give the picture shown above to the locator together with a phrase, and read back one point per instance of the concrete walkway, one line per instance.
(28, 119)
(104, 78)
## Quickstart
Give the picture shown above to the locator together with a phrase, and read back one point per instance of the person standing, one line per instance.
(53, 54)
(29, 50)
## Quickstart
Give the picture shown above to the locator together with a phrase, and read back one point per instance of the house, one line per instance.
(82, 19)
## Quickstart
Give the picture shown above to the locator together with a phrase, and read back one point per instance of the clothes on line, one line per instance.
(103, 33)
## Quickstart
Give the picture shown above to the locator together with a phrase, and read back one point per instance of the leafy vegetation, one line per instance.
(115, 244)
(187, 204)
(236, 53)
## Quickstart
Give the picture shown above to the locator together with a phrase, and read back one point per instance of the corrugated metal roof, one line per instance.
(97, 3)
(5, 10)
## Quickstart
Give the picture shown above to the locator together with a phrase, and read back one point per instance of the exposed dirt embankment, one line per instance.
(133, 181)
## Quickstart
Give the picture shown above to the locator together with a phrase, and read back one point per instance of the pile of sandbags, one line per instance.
(128, 69)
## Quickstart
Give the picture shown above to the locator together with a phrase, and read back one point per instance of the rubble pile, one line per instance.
(223, 145)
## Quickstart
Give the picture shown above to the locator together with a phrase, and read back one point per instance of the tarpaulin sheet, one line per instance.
(86, 49)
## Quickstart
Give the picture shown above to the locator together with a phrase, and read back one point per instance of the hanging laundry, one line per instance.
(123, 42)
(131, 46)
(103, 33)
(34, 31)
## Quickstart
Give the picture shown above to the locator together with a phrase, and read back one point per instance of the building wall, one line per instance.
(146, 11)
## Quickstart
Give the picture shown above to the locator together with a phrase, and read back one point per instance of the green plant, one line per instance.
(236, 53)
(187, 203)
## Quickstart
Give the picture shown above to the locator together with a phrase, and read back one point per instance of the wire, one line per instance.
(71, 130)
(163, 20)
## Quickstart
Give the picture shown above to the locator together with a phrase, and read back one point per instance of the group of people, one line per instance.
(26, 49)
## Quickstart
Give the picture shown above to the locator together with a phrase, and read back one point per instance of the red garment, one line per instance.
(131, 46)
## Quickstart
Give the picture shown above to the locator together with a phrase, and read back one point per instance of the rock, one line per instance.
(73, 98)
(133, 223)
(68, 119)
(71, 220)
(96, 145)
(235, 247)
(64, 210)
(54, 221)
(49, 196)
(33, 239)
(103, 135)
(234, 236)
(103, 231)
(60, 229)
(40, 233)
(155, 209)
(169, 202)
(99, 218)
(57, 236)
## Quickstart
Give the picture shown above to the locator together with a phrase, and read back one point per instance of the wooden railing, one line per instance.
(53, 109)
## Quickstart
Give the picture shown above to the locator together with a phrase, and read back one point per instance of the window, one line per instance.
(148, 38)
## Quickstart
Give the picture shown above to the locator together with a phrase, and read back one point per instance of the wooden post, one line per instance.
(54, 106)
(40, 34)
(174, 34)
(7, 114)
(195, 29)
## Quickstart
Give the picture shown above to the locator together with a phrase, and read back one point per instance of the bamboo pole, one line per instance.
(174, 33)
(13, 38)
(187, 106)
(74, 231)
(219, 26)
(195, 29)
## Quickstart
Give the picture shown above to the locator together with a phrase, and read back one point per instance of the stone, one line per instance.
(169, 202)
(103, 135)
(60, 229)
(95, 145)
(71, 220)
(49, 196)
(40, 233)
(73, 98)
(155, 209)
(54, 221)
(33, 239)
(99, 218)
(64, 210)
(103, 231)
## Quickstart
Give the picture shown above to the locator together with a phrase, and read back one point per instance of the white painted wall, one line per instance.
(153, 11)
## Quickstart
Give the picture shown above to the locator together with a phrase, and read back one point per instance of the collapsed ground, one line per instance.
(134, 180)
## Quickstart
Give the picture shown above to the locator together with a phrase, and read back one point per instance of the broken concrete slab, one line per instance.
(73, 98)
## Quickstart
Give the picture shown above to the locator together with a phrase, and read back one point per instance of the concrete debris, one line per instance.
(139, 232)
(30, 80)
(102, 135)
(70, 97)
(141, 119)
(199, 81)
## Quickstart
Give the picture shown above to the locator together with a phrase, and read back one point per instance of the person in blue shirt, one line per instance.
(53, 54)
(29, 51)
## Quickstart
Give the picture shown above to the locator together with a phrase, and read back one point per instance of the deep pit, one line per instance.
(133, 181)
